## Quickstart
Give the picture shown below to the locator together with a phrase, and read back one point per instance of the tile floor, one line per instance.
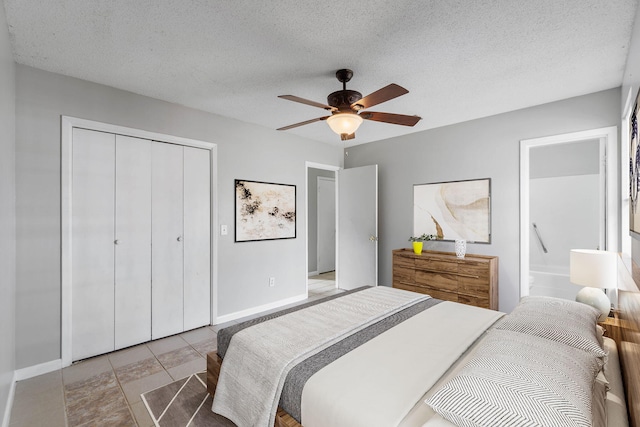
(105, 390)
(323, 284)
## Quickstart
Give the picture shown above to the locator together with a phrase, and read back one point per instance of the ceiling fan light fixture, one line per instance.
(344, 123)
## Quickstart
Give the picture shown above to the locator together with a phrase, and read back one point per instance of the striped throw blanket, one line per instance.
(259, 358)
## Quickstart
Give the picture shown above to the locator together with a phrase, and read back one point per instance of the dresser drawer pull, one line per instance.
(471, 276)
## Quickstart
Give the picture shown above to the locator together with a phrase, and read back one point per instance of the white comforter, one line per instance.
(378, 383)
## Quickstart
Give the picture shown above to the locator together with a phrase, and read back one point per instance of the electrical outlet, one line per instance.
(272, 281)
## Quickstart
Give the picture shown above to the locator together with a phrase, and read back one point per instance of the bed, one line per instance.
(414, 361)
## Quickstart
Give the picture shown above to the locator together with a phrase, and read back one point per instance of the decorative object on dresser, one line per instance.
(472, 280)
(461, 248)
(595, 270)
(454, 210)
(418, 242)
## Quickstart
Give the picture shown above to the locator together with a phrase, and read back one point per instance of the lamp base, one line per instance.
(596, 299)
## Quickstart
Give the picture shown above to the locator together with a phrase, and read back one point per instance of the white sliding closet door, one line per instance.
(197, 235)
(167, 300)
(92, 243)
(133, 241)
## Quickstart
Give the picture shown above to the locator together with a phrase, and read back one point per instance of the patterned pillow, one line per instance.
(565, 321)
(516, 379)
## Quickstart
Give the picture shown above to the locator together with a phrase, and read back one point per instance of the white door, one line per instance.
(132, 241)
(92, 242)
(357, 227)
(326, 224)
(167, 240)
(197, 238)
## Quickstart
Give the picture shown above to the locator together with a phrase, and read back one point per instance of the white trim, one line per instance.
(67, 125)
(35, 370)
(313, 165)
(6, 419)
(313, 273)
(610, 137)
(259, 309)
(625, 236)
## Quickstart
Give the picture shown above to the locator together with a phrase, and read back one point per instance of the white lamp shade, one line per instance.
(596, 269)
(344, 123)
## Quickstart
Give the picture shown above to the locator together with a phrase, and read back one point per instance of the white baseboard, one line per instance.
(34, 371)
(259, 309)
(7, 410)
(313, 273)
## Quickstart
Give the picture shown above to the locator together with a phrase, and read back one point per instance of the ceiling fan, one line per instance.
(346, 108)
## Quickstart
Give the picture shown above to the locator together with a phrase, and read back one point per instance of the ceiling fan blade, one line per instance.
(346, 137)
(381, 95)
(303, 123)
(307, 102)
(396, 119)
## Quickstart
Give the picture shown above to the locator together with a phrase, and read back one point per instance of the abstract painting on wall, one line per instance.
(453, 210)
(264, 211)
(634, 170)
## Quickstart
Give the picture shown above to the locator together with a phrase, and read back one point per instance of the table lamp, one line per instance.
(595, 270)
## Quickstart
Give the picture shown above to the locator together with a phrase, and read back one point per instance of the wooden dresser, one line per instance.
(470, 280)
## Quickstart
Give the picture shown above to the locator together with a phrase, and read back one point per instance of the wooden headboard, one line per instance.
(629, 348)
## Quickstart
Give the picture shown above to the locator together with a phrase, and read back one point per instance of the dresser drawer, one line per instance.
(403, 274)
(430, 264)
(473, 286)
(471, 300)
(440, 281)
(480, 271)
(402, 261)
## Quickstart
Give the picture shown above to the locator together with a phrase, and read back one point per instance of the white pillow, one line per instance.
(516, 379)
(565, 321)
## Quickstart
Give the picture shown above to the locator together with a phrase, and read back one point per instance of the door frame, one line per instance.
(333, 180)
(313, 165)
(66, 197)
(610, 208)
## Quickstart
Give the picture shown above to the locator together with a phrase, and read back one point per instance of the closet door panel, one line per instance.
(92, 241)
(133, 241)
(167, 239)
(197, 238)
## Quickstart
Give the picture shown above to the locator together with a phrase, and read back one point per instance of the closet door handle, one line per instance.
(116, 242)
(179, 238)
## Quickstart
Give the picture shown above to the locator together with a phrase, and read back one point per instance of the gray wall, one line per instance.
(7, 215)
(244, 151)
(488, 147)
(313, 214)
(574, 158)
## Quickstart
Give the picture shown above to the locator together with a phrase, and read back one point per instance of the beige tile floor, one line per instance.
(105, 390)
(322, 284)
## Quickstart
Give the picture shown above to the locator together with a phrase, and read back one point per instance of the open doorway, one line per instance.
(568, 187)
(321, 230)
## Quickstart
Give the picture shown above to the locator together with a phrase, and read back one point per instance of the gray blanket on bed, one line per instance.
(290, 399)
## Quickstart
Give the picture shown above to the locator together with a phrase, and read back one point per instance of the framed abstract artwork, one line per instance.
(634, 170)
(264, 211)
(453, 210)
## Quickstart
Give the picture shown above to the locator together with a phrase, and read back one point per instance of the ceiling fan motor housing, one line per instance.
(343, 99)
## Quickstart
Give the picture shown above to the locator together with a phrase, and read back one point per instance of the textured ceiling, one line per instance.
(460, 60)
